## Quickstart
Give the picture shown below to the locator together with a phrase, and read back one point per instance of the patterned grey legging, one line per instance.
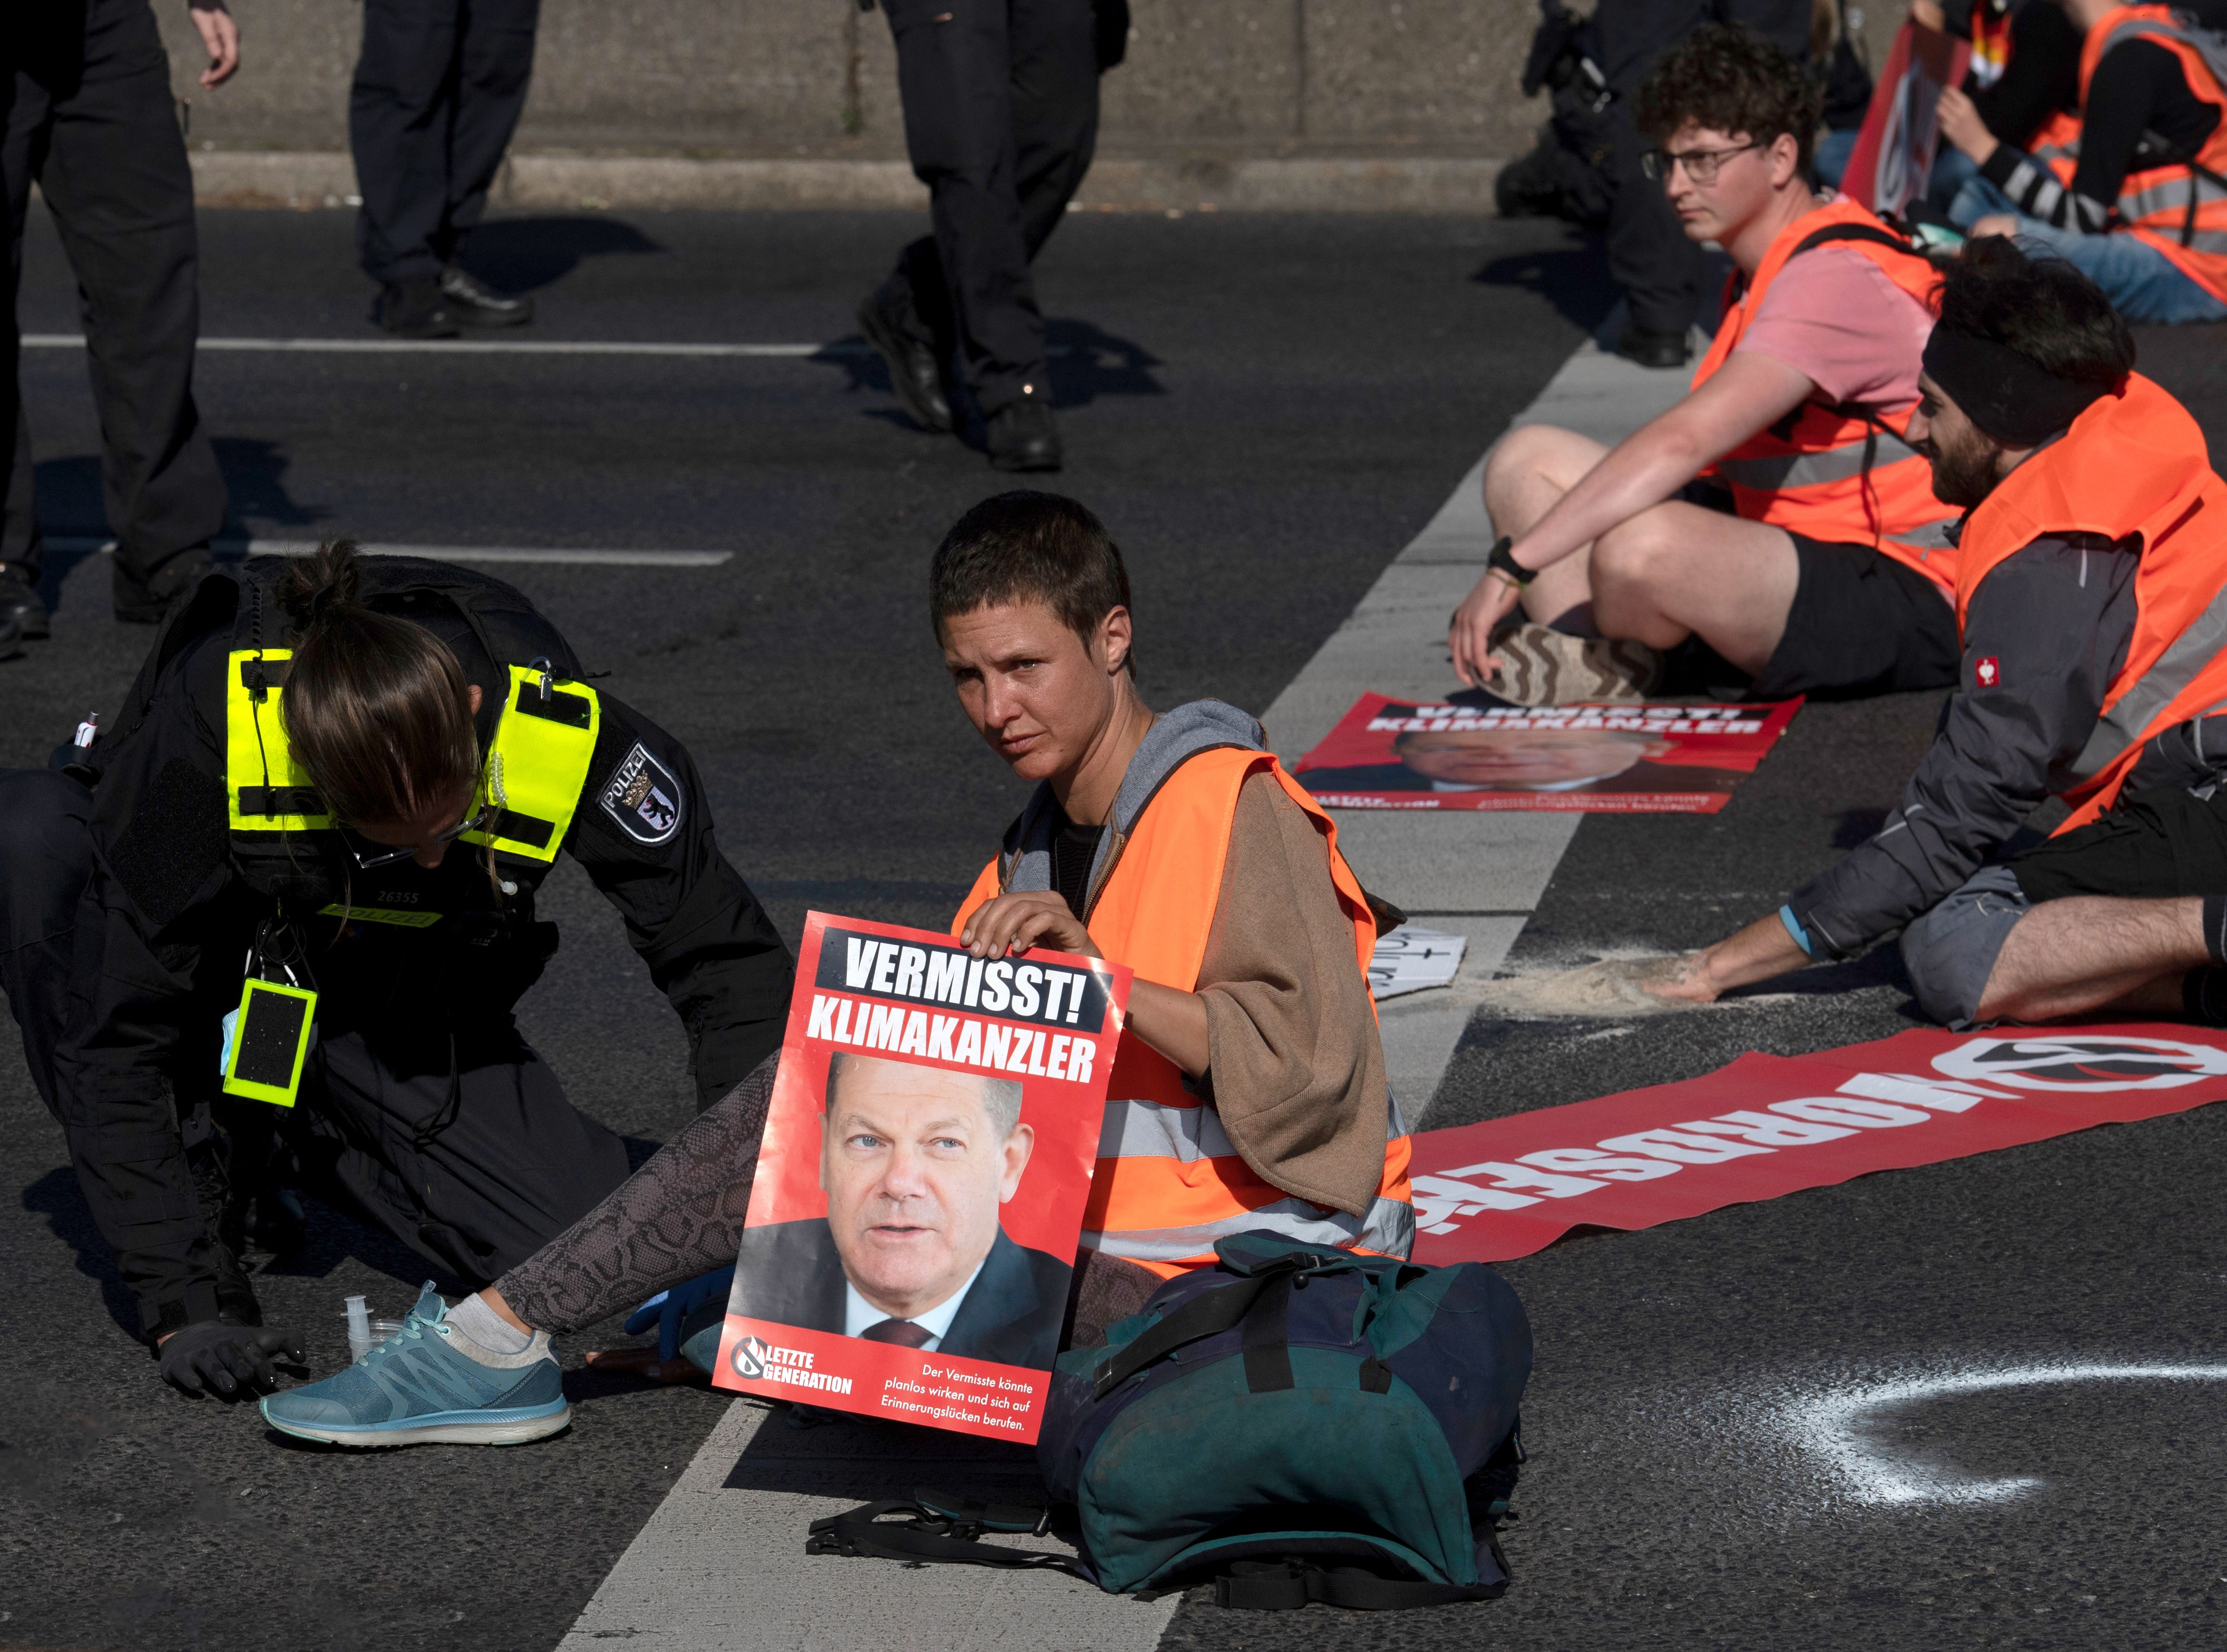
(681, 1215)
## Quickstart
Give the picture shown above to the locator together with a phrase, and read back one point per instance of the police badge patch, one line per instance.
(643, 796)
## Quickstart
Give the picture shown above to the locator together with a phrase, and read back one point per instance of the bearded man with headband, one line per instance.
(2091, 605)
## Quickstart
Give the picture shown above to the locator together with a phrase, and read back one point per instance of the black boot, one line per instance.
(1653, 349)
(893, 327)
(474, 303)
(144, 602)
(1022, 435)
(417, 309)
(20, 603)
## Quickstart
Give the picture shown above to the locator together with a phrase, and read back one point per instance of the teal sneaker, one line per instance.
(418, 1387)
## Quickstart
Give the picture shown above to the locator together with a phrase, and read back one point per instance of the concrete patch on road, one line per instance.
(721, 1567)
(1474, 873)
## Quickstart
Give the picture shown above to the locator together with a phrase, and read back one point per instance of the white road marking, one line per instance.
(1834, 1427)
(545, 553)
(478, 347)
(720, 1567)
(1473, 873)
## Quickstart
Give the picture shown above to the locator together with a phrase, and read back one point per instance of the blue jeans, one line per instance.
(2141, 283)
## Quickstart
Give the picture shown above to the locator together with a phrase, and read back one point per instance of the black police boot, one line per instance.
(1023, 437)
(11, 638)
(144, 602)
(892, 325)
(474, 303)
(417, 309)
(1653, 349)
(20, 603)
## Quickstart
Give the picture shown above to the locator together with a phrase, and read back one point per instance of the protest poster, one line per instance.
(1893, 156)
(1393, 753)
(1768, 1126)
(927, 1152)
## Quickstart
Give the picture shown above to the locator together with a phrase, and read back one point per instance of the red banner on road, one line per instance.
(1772, 1125)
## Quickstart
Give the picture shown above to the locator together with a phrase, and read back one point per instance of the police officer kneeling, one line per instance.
(354, 775)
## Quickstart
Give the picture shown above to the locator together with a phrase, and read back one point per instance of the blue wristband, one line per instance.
(1794, 927)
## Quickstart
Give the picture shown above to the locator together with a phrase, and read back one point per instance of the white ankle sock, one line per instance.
(477, 1322)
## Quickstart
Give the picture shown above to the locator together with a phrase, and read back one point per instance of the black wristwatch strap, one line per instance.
(1499, 560)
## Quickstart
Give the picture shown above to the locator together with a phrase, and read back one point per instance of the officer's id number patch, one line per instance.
(643, 796)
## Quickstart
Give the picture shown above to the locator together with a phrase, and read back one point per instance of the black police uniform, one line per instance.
(421, 1106)
(1649, 254)
(90, 117)
(438, 93)
(1001, 120)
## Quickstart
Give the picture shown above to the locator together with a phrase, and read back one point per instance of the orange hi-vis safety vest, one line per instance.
(1168, 1181)
(2133, 463)
(2175, 208)
(1840, 473)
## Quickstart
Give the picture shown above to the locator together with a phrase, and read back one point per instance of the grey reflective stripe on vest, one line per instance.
(1933, 536)
(1148, 1130)
(1842, 463)
(2176, 668)
(1390, 1229)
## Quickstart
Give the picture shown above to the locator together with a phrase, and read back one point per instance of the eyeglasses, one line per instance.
(365, 862)
(1701, 165)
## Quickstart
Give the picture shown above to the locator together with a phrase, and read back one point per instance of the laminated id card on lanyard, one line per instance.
(266, 1040)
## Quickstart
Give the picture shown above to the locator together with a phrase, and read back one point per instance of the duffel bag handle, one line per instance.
(1207, 1314)
(1286, 1586)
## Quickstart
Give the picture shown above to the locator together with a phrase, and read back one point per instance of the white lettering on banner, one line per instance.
(963, 1041)
(912, 966)
(1942, 1094)
(996, 990)
(1860, 1115)
(939, 1029)
(2083, 1062)
(1676, 1144)
(885, 1027)
(1594, 1162)
(1056, 1067)
(858, 961)
(761, 1362)
(1764, 1130)
(1025, 981)
(823, 1017)
(914, 1042)
(886, 967)
(1522, 1178)
(947, 976)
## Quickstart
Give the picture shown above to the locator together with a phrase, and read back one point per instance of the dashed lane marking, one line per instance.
(543, 553)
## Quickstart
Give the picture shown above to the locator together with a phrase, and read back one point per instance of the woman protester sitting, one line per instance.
(1249, 1088)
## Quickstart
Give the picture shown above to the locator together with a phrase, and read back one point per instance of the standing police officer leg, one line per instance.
(111, 162)
(495, 62)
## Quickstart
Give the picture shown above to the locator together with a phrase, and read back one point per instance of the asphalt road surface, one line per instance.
(1264, 410)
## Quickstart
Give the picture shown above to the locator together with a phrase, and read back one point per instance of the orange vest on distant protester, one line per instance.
(1840, 473)
(2175, 208)
(1169, 1183)
(2133, 463)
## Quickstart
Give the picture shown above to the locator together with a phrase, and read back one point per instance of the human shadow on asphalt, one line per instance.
(1573, 278)
(522, 254)
(55, 1196)
(1085, 362)
(831, 1454)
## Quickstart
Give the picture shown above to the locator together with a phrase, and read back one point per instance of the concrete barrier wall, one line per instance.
(816, 79)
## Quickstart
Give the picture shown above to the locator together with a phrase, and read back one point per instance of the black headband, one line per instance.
(2009, 396)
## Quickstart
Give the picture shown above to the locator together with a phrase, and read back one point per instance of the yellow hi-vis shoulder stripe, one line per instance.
(543, 742)
(265, 789)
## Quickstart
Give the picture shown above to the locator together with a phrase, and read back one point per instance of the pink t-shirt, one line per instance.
(1835, 318)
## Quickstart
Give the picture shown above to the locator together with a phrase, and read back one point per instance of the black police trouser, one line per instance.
(1661, 271)
(88, 114)
(436, 95)
(1001, 119)
(460, 1142)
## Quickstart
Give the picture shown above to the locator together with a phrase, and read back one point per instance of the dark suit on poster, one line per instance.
(791, 1273)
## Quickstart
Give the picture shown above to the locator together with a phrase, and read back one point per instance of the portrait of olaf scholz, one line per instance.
(918, 1163)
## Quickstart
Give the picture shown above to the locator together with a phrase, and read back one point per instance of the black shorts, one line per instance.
(2155, 844)
(1861, 623)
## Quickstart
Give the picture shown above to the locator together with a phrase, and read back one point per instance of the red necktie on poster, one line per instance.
(1894, 150)
(1772, 1125)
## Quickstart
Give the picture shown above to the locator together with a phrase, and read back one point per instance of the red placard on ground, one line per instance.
(1394, 754)
(919, 1196)
(1772, 1125)
(1894, 150)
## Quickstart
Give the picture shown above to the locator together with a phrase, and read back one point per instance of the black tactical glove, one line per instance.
(227, 1360)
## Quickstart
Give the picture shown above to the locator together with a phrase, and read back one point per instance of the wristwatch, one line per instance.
(1500, 560)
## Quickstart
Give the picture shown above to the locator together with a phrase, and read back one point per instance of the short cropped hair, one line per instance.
(1729, 80)
(1029, 547)
(2042, 307)
(1001, 1097)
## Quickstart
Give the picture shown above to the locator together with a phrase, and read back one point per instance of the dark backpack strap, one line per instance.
(920, 1536)
(1874, 233)
(1286, 1586)
(1207, 1314)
